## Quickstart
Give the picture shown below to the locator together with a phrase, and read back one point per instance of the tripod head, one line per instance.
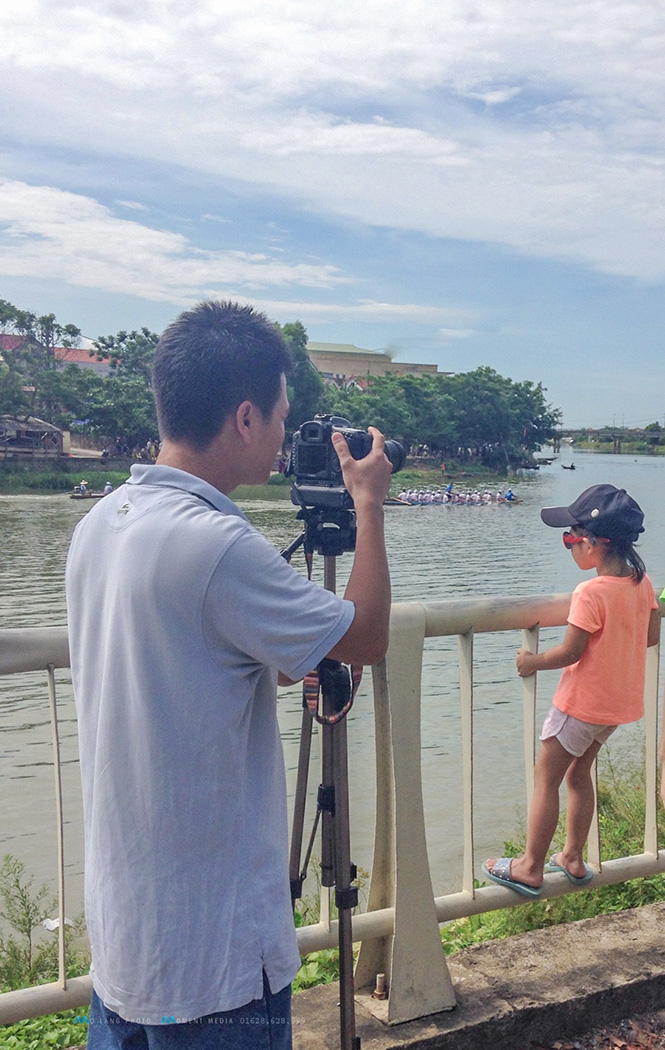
(329, 530)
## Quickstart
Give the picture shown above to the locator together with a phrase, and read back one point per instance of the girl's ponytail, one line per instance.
(624, 549)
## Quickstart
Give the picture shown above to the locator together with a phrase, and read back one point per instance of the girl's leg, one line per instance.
(551, 765)
(579, 813)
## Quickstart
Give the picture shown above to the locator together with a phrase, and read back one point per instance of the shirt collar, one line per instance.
(171, 477)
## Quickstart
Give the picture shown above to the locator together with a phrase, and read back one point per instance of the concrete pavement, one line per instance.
(526, 991)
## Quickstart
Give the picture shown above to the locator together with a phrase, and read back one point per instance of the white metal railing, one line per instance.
(400, 930)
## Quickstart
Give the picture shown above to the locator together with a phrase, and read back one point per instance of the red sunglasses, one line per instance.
(569, 540)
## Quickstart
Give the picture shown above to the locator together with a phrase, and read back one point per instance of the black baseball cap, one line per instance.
(603, 510)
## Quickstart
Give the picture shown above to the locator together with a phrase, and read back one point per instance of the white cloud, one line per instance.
(456, 333)
(368, 311)
(53, 234)
(534, 126)
(48, 233)
(132, 205)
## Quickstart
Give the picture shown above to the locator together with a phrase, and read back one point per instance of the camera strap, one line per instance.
(341, 685)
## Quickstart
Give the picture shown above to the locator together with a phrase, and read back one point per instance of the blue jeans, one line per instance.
(263, 1024)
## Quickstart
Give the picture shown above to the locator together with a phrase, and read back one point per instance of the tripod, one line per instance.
(329, 532)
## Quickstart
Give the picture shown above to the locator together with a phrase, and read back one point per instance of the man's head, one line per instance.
(210, 360)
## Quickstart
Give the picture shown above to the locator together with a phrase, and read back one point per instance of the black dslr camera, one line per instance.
(314, 465)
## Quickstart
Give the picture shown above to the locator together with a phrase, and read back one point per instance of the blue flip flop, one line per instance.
(577, 880)
(500, 874)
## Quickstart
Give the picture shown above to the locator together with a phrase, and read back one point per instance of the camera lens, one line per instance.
(396, 453)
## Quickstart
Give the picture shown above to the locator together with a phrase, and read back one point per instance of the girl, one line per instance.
(613, 618)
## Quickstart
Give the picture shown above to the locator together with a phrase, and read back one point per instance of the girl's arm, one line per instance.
(653, 635)
(569, 652)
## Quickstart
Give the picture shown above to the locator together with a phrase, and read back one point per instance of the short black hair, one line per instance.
(211, 359)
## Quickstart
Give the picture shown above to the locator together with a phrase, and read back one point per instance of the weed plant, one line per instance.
(29, 955)
(321, 967)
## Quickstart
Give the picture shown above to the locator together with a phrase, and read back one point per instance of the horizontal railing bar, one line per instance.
(33, 649)
(490, 614)
(380, 923)
(44, 999)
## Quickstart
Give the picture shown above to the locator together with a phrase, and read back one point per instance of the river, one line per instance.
(435, 552)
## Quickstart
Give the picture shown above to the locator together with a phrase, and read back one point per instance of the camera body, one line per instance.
(315, 467)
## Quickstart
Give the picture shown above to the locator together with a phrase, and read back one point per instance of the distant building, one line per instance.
(27, 434)
(80, 356)
(346, 365)
(77, 355)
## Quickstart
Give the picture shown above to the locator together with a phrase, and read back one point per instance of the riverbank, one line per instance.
(622, 448)
(20, 478)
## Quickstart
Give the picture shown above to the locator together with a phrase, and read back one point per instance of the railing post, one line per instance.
(530, 639)
(465, 660)
(412, 959)
(62, 973)
(375, 955)
(651, 750)
(593, 842)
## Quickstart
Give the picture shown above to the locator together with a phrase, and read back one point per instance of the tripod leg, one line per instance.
(295, 872)
(327, 803)
(346, 895)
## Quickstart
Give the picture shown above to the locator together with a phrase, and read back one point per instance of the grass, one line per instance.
(20, 482)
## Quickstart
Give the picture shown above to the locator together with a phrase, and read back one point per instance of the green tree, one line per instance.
(654, 433)
(32, 359)
(306, 389)
(383, 405)
(500, 421)
(123, 405)
(128, 353)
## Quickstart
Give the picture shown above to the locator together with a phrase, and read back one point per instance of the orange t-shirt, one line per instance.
(606, 685)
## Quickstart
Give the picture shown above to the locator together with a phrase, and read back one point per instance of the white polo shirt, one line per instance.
(180, 615)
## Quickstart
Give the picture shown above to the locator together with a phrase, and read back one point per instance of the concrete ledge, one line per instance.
(518, 993)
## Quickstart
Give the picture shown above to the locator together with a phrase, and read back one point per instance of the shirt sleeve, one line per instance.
(260, 606)
(585, 610)
(651, 593)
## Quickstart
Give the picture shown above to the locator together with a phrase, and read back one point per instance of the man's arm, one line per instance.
(368, 481)
(569, 652)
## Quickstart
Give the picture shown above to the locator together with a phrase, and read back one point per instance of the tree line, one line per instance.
(469, 415)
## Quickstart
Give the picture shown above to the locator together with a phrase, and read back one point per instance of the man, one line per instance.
(181, 617)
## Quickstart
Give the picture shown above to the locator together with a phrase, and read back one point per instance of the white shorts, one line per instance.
(573, 734)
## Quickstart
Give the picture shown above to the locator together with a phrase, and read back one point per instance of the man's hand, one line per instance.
(525, 663)
(367, 479)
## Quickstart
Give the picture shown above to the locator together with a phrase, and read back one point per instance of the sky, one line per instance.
(466, 183)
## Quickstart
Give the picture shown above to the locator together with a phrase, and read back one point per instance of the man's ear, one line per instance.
(244, 419)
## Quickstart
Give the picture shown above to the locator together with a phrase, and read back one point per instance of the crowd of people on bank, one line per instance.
(143, 453)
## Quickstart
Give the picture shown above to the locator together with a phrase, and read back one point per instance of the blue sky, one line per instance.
(473, 182)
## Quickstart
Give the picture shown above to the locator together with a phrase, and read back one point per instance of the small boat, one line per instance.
(86, 495)
(566, 467)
